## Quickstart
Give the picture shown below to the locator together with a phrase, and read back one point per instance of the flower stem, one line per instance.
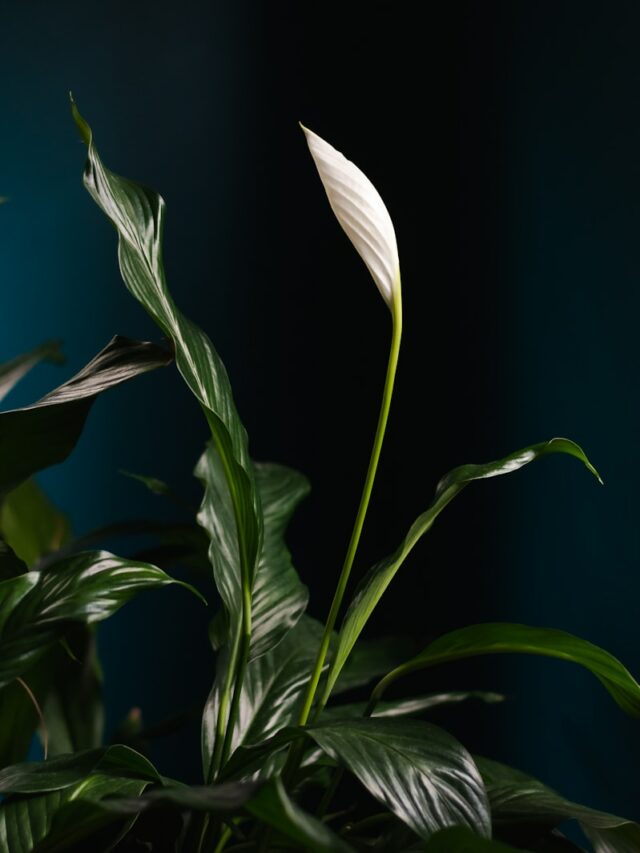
(359, 522)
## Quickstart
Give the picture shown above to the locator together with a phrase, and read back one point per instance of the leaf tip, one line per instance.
(81, 124)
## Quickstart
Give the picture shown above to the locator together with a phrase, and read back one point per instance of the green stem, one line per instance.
(223, 716)
(245, 644)
(360, 517)
(296, 751)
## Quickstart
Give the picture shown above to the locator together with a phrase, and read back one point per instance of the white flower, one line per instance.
(361, 213)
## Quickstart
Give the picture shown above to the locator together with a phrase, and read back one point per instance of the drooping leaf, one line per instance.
(64, 771)
(36, 608)
(278, 598)
(380, 576)
(272, 693)
(138, 216)
(361, 213)
(500, 638)
(31, 524)
(11, 372)
(518, 798)
(410, 707)
(418, 771)
(45, 433)
(25, 822)
(458, 839)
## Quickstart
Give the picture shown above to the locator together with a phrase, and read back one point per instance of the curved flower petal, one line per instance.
(362, 214)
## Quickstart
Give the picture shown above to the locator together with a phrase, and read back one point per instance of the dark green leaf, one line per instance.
(11, 372)
(500, 638)
(380, 576)
(65, 771)
(410, 707)
(35, 608)
(278, 597)
(31, 524)
(138, 216)
(272, 805)
(73, 711)
(418, 771)
(156, 486)
(45, 433)
(518, 798)
(25, 822)
(272, 692)
(460, 840)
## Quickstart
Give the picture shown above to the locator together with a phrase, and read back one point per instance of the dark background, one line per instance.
(504, 138)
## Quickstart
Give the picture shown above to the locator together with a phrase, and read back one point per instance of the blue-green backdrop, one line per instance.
(504, 138)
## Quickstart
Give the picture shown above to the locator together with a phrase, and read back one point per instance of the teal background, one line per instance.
(504, 139)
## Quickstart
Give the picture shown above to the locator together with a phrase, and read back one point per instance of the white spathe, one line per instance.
(362, 214)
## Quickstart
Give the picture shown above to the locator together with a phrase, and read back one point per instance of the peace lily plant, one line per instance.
(279, 740)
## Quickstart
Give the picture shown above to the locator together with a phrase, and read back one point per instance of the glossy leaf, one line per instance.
(138, 216)
(31, 524)
(25, 822)
(418, 771)
(380, 576)
(11, 372)
(501, 638)
(410, 707)
(278, 597)
(458, 839)
(36, 608)
(272, 693)
(362, 214)
(520, 799)
(45, 433)
(55, 774)
(268, 803)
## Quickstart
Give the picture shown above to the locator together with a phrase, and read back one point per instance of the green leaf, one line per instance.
(31, 524)
(500, 638)
(45, 433)
(25, 822)
(410, 707)
(272, 693)
(64, 771)
(460, 840)
(520, 799)
(418, 771)
(278, 597)
(35, 608)
(11, 372)
(380, 576)
(268, 803)
(156, 486)
(273, 806)
(138, 216)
